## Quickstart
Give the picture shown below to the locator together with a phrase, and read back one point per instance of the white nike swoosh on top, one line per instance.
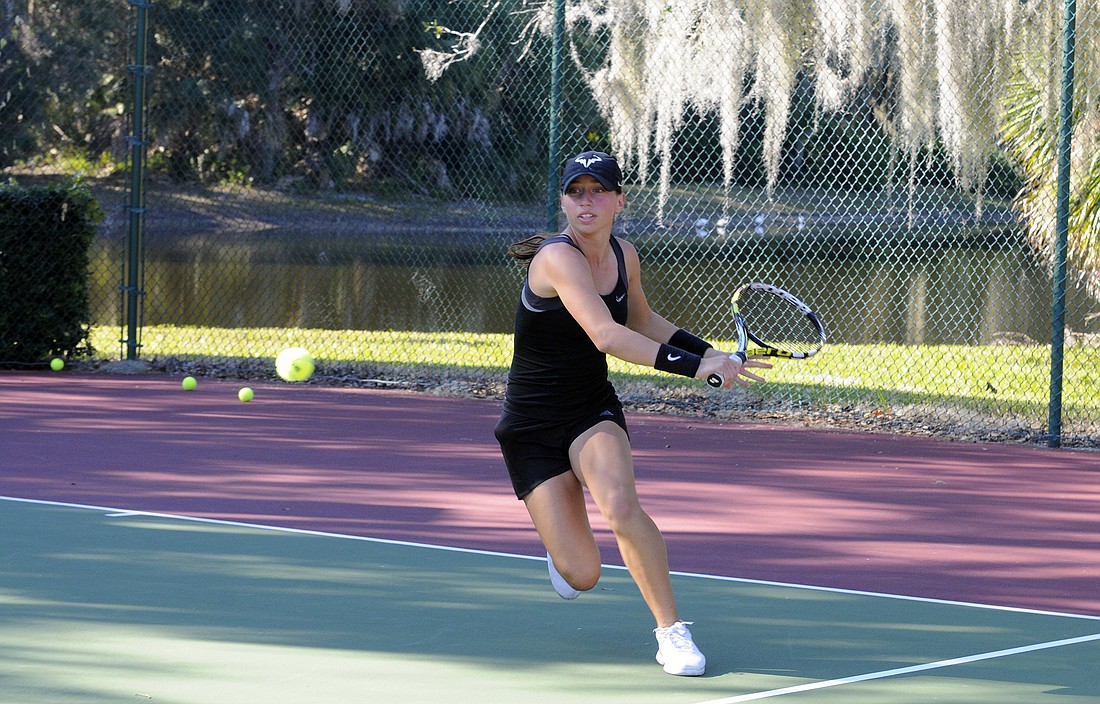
(619, 299)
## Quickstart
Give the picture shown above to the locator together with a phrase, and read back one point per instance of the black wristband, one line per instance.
(677, 361)
(686, 341)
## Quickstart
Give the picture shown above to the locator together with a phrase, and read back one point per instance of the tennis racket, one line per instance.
(772, 323)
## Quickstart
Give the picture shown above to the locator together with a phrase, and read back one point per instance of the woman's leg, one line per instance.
(560, 516)
(602, 459)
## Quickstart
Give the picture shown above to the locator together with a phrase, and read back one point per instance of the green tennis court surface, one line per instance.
(104, 605)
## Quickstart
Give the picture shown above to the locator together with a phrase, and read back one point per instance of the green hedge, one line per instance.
(45, 235)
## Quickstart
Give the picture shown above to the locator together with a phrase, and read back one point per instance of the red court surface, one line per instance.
(994, 524)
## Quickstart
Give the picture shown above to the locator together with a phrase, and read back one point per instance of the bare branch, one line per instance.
(465, 46)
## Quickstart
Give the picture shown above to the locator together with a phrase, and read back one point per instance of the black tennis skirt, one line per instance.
(536, 450)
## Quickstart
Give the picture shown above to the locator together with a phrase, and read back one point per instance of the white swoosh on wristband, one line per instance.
(673, 359)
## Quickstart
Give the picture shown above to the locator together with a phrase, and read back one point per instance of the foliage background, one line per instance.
(306, 170)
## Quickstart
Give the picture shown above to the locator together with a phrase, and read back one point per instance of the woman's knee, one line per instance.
(581, 571)
(622, 511)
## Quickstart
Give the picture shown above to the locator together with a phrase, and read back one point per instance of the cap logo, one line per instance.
(586, 163)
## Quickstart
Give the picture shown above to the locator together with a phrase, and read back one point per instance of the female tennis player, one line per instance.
(562, 428)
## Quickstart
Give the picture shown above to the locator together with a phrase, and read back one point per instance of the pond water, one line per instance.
(909, 292)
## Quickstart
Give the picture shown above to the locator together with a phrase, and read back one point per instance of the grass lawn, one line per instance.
(1006, 380)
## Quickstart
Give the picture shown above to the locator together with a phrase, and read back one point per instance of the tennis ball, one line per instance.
(57, 364)
(189, 383)
(294, 364)
(245, 394)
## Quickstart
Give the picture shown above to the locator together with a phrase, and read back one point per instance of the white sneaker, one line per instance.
(564, 590)
(677, 652)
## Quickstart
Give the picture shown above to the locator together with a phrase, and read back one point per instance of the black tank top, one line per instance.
(557, 373)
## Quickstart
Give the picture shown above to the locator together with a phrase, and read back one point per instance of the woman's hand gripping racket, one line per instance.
(775, 323)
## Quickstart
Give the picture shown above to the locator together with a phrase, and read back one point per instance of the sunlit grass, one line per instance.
(1013, 378)
(458, 349)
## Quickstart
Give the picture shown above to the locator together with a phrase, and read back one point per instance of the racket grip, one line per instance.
(716, 380)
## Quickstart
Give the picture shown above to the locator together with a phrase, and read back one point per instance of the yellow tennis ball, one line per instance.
(245, 394)
(294, 364)
(57, 364)
(189, 383)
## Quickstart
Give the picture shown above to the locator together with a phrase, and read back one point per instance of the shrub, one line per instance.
(46, 232)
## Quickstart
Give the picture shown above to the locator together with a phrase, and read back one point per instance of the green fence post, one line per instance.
(1061, 227)
(133, 283)
(553, 152)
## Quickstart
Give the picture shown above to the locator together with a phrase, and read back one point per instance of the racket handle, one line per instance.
(716, 380)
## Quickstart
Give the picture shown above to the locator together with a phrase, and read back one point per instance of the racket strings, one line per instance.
(776, 322)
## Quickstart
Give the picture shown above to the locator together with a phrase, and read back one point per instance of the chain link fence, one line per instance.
(346, 175)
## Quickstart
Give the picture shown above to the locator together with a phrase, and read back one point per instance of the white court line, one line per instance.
(112, 512)
(903, 670)
(884, 595)
(119, 512)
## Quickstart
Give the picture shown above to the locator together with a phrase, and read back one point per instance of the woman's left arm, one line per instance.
(640, 317)
(646, 321)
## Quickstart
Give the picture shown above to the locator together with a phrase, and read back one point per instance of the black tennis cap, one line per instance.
(598, 165)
